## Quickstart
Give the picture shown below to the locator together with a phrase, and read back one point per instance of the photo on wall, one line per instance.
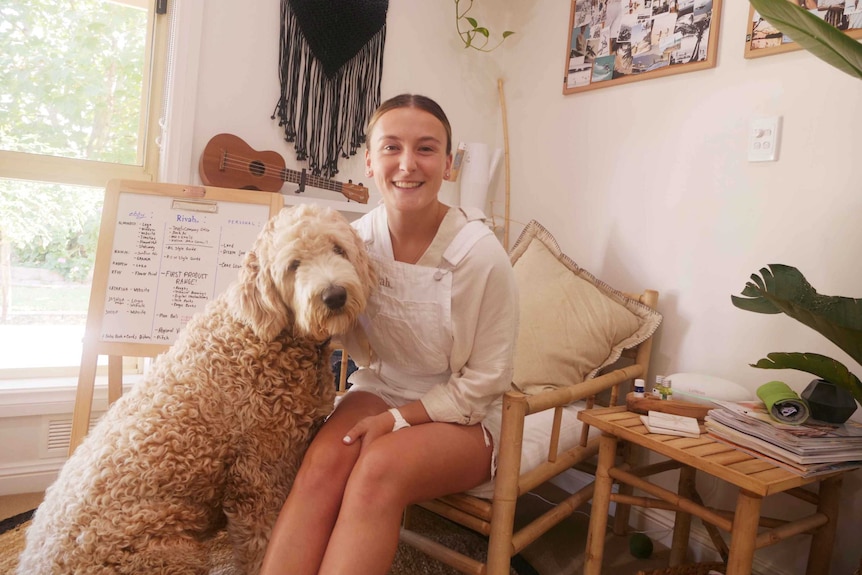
(619, 41)
(764, 39)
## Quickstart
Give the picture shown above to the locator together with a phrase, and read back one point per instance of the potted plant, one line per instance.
(844, 53)
(783, 289)
(813, 34)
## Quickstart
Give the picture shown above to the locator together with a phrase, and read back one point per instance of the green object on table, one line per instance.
(640, 546)
(783, 404)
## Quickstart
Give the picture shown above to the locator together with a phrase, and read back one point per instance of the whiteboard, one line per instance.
(169, 257)
(164, 251)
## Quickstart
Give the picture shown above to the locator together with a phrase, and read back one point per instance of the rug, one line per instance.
(407, 561)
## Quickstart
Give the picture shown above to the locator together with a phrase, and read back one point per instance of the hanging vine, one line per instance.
(474, 33)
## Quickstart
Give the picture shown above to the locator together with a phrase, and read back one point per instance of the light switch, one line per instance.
(763, 139)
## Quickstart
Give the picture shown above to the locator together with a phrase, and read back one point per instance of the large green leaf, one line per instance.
(783, 289)
(810, 32)
(815, 364)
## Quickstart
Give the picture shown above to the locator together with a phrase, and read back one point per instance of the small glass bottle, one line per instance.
(668, 389)
(659, 385)
(639, 388)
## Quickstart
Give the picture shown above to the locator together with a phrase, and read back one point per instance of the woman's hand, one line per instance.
(370, 428)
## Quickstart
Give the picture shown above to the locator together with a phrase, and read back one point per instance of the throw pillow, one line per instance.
(571, 324)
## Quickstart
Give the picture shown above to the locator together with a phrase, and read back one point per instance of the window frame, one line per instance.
(56, 169)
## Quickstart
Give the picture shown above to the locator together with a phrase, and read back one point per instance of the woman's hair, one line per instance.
(423, 103)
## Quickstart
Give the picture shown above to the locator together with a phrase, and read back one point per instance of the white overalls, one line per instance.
(408, 321)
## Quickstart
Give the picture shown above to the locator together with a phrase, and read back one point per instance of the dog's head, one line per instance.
(308, 269)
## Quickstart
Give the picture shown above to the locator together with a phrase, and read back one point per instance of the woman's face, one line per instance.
(407, 157)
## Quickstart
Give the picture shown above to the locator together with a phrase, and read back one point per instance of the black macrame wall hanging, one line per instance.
(330, 65)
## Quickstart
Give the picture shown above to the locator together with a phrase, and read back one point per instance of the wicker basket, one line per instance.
(691, 569)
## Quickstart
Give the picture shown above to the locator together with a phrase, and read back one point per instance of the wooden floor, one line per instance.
(11, 505)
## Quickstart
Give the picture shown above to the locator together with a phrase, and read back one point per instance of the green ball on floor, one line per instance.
(640, 546)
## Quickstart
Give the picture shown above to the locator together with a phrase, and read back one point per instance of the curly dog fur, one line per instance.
(214, 435)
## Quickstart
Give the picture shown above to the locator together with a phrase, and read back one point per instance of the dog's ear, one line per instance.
(256, 300)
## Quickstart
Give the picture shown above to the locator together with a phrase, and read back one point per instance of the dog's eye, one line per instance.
(338, 250)
(294, 265)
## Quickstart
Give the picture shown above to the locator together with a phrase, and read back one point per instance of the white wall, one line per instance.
(648, 184)
(238, 82)
(645, 184)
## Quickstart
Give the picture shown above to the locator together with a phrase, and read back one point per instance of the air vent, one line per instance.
(57, 435)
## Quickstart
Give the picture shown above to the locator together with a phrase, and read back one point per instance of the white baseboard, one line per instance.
(29, 477)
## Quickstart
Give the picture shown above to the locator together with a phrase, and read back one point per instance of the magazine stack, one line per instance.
(812, 448)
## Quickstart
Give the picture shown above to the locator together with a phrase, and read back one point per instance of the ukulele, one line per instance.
(228, 162)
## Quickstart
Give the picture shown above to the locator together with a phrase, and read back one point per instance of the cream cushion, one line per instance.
(537, 439)
(571, 324)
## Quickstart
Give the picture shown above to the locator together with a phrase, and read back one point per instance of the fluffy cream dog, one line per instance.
(213, 436)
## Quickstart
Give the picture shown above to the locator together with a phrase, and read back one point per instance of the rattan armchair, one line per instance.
(494, 517)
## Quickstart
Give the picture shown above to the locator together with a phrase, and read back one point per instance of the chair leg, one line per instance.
(500, 549)
(500, 539)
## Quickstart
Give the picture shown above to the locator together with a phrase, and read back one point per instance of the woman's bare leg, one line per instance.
(411, 465)
(303, 528)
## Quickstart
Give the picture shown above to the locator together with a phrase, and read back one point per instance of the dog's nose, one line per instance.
(335, 297)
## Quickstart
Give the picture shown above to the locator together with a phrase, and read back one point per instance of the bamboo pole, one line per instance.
(643, 501)
(820, 553)
(804, 525)
(505, 161)
(743, 533)
(452, 558)
(602, 485)
(680, 502)
(682, 524)
(717, 540)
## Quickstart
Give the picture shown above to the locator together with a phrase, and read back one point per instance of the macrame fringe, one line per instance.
(325, 117)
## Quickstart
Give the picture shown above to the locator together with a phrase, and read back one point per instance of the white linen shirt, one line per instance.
(484, 311)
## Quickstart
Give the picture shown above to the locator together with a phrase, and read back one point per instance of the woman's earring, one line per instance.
(368, 173)
(447, 175)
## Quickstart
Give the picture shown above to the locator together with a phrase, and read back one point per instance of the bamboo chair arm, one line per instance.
(517, 406)
(565, 395)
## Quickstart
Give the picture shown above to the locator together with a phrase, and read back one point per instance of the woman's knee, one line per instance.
(377, 478)
(326, 465)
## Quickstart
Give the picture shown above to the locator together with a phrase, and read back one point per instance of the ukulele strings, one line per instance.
(242, 164)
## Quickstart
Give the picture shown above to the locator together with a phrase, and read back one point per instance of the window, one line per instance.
(80, 94)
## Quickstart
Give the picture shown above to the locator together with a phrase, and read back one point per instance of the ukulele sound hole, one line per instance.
(257, 168)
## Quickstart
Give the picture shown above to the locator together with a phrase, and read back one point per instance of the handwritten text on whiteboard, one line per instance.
(166, 263)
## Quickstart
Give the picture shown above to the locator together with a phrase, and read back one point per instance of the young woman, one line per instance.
(422, 417)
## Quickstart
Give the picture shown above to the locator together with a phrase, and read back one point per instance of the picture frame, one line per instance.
(762, 39)
(614, 42)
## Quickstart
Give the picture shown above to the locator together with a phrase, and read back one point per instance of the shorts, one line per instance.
(491, 424)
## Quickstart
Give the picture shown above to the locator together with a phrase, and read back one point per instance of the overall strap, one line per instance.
(474, 230)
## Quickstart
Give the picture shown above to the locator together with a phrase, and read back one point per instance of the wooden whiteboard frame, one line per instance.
(783, 43)
(94, 346)
(626, 6)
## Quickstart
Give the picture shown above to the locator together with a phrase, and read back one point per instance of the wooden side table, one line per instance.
(755, 478)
